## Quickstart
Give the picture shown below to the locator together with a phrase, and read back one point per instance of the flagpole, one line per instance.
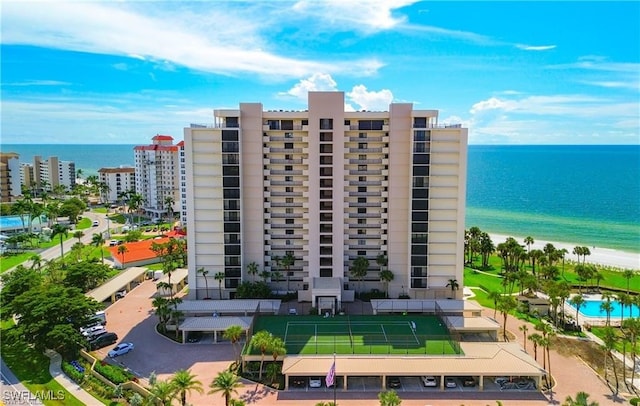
(335, 383)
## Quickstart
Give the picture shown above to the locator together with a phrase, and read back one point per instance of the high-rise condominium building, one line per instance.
(157, 169)
(327, 201)
(119, 181)
(48, 174)
(9, 176)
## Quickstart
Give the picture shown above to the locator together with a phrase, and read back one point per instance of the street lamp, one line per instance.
(108, 235)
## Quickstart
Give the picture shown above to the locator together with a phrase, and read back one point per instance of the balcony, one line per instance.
(365, 150)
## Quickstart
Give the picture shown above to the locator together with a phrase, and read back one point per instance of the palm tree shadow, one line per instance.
(258, 393)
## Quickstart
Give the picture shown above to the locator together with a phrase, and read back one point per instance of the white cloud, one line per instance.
(370, 100)
(364, 15)
(172, 37)
(535, 47)
(314, 83)
(38, 83)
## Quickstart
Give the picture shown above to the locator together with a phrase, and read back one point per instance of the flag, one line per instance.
(331, 375)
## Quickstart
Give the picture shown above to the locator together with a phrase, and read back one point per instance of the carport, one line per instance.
(466, 326)
(178, 278)
(213, 324)
(121, 281)
(480, 360)
(228, 307)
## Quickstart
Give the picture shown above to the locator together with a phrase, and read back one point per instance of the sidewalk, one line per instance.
(56, 372)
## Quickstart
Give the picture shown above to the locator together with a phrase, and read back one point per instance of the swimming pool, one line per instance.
(591, 308)
(11, 223)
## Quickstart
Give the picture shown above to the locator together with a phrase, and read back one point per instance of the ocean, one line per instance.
(587, 195)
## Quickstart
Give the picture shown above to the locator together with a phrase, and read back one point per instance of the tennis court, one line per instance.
(381, 334)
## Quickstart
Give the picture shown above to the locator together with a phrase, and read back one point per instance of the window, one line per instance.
(289, 210)
(420, 171)
(362, 210)
(229, 135)
(326, 182)
(288, 178)
(288, 221)
(288, 167)
(288, 189)
(347, 122)
(326, 228)
(326, 273)
(362, 168)
(362, 221)
(288, 135)
(289, 200)
(362, 135)
(305, 122)
(362, 200)
(362, 189)
(326, 137)
(419, 122)
(420, 136)
(230, 146)
(286, 124)
(326, 160)
(326, 148)
(420, 181)
(326, 171)
(422, 159)
(362, 157)
(362, 145)
(288, 145)
(362, 178)
(326, 194)
(326, 205)
(326, 124)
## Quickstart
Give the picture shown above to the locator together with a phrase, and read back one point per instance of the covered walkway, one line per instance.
(213, 325)
(121, 281)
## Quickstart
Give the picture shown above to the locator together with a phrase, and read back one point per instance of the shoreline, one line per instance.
(599, 255)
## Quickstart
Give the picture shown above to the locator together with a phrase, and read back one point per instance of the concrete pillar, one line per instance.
(215, 336)
(441, 382)
(184, 336)
(384, 380)
(345, 382)
(481, 383)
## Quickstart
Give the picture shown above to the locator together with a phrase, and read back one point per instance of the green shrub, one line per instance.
(113, 373)
(72, 372)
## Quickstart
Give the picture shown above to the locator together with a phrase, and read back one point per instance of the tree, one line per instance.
(78, 234)
(163, 392)
(524, 328)
(277, 348)
(495, 296)
(86, 275)
(386, 276)
(528, 241)
(287, 262)
(252, 269)
(535, 339)
(14, 284)
(607, 307)
(609, 339)
(631, 329)
(227, 383)
(582, 399)
(273, 370)
(453, 284)
(389, 398)
(628, 274)
(234, 334)
(61, 232)
(162, 309)
(98, 241)
(261, 340)
(168, 204)
(184, 381)
(359, 270)
(506, 305)
(122, 249)
(204, 274)
(577, 301)
(382, 261)
(219, 276)
(36, 262)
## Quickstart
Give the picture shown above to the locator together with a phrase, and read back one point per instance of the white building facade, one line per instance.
(157, 169)
(327, 187)
(119, 181)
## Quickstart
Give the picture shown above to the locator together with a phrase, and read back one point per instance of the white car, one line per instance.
(120, 349)
(450, 383)
(121, 293)
(95, 223)
(315, 382)
(94, 333)
(429, 381)
(87, 331)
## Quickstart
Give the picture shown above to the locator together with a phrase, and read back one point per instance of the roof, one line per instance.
(487, 359)
(104, 292)
(229, 306)
(155, 148)
(160, 137)
(137, 251)
(122, 169)
(177, 276)
(458, 305)
(461, 324)
(214, 323)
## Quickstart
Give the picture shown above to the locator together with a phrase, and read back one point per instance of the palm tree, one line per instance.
(528, 241)
(524, 328)
(628, 274)
(273, 370)
(453, 284)
(535, 339)
(163, 392)
(227, 383)
(98, 241)
(386, 276)
(36, 262)
(607, 307)
(582, 399)
(252, 269)
(631, 328)
(389, 398)
(204, 274)
(610, 338)
(219, 276)
(359, 270)
(234, 334)
(78, 234)
(277, 348)
(577, 301)
(261, 340)
(494, 295)
(382, 261)
(184, 381)
(62, 232)
(122, 249)
(505, 305)
(287, 261)
(168, 204)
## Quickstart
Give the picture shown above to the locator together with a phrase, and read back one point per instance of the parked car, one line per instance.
(120, 349)
(450, 382)
(95, 223)
(121, 293)
(113, 243)
(95, 333)
(194, 336)
(298, 382)
(102, 341)
(88, 331)
(468, 381)
(315, 382)
(429, 381)
(393, 382)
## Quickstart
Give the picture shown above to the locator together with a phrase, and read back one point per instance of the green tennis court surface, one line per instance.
(386, 334)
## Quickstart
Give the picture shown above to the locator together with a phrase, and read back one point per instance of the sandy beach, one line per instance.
(599, 255)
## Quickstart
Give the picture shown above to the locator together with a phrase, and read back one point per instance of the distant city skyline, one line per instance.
(512, 72)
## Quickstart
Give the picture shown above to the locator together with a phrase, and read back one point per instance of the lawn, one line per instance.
(390, 334)
(11, 260)
(32, 369)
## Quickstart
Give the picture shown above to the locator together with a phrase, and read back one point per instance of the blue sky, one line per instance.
(512, 72)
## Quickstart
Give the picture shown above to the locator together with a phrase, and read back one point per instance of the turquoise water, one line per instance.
(591, 308)
(587, 195)
(12, 221)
